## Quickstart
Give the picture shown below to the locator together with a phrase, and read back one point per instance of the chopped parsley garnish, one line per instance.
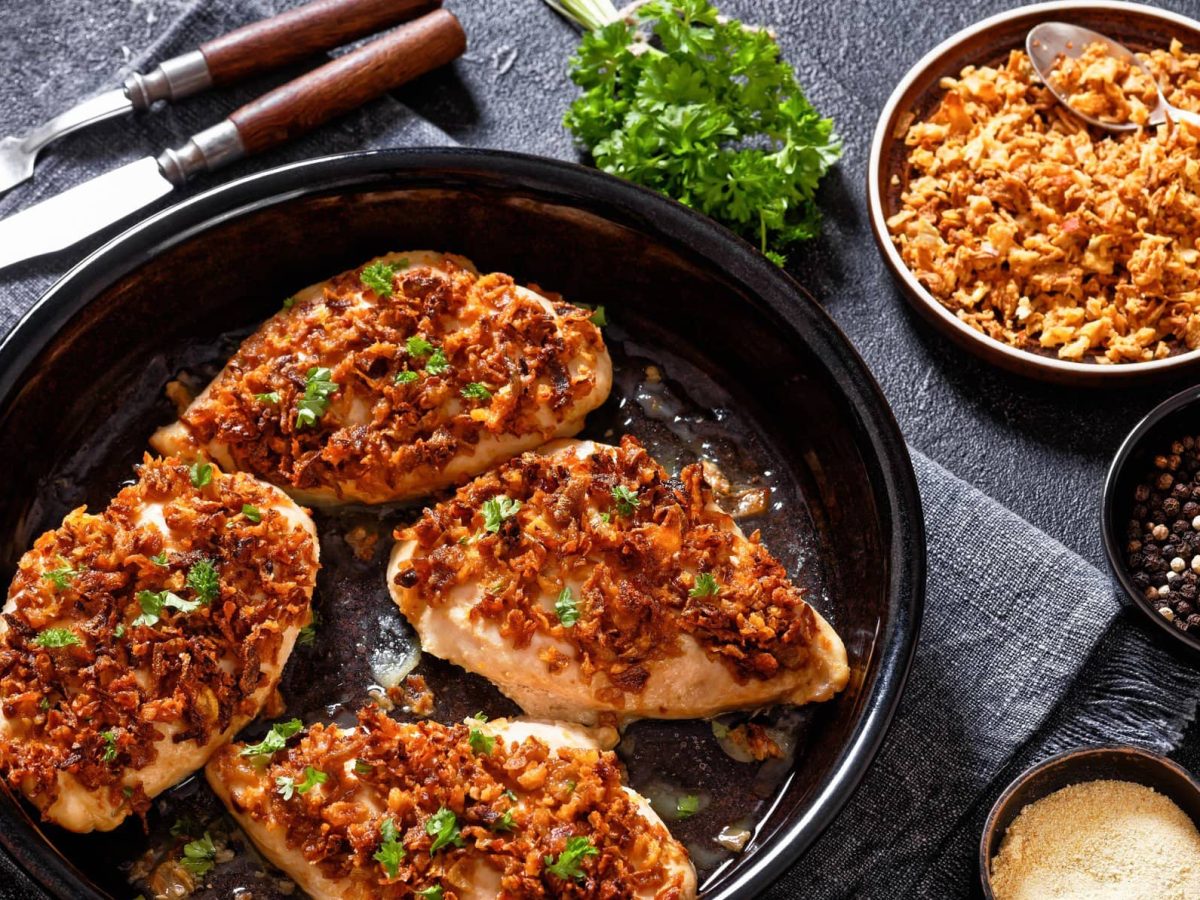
(199, 856)
(605, 517)
(288, 786)
(481, 743)
(252, 512)
(510, 795)
(705, 586)
(442, 826)
(418, 346)
(44, 704)
(56, 637)
(203, 580)
(185, 826)
(110, 749)
(627, 500)
(476, 391)
(437, 363)
(378, 277)
(275, 739)
(61, 577)
(308, 635)
(201, 474)
(363, 768)
(160, 559)
(270, 397)
(566, 608)
(119, 631)
(571, 785)
(480, 716)
(505, 822)
(567, 864)
(317, 390)
(431, 893)
(289, 302)
(720, 730)
(406, 377)
(390, 851)
(152, 604)
(496, 510)
(687, 806)
(598, 317)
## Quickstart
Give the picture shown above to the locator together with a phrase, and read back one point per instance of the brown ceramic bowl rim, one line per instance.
(878, 173)
(1064, 757)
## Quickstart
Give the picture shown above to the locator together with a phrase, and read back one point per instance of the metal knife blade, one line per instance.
(66, 218)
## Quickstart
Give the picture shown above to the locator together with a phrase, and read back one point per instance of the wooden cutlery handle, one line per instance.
(349, 81)
(301, 32)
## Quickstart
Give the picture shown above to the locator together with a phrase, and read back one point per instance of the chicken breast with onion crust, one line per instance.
(136, 641)
(396, 379)
(513, 810)
(583, 581)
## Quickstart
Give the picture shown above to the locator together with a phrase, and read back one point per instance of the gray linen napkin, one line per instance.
(1024, 649)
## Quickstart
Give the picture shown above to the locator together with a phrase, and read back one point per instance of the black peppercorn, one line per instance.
(1171, 507)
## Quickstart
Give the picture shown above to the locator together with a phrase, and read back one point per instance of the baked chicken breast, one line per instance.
(582, 580)
(395, 379)
(506, 809)
(136, 641)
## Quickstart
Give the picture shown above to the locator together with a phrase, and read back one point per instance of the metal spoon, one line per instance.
(1050, 41)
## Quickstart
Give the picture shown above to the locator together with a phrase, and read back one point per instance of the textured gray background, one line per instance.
(1039, 451)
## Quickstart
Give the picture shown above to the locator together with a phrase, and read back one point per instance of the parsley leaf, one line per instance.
(496, 510)
(406, 377)
(378, 277)
(185, 826)
(61, 577)
(317, 390)
(480, 716)
(431, 893)
(505, 822)
(252, 512)
(289, 302)
(363, 768)
(270, 397)
(160, 559)
(627, 500)
(442, 826)
(481, 743)
(308, 635)
(390, 851)
(709, 114)
(287, 786)
(687, 806)
(476, 391)
(152, 605)
(276, 738)
(119, 631)
(437, 362)
(56, 637)
(201, 474)
(199, 856)
(203, 580)
(567, 864)
(110, 750)
(566, 608)
(704, 586)
(418, 346)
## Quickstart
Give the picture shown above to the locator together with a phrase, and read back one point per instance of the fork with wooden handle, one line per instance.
(278, 116)
(251, 50)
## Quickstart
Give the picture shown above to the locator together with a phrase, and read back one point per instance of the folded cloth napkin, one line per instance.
(1024, 650)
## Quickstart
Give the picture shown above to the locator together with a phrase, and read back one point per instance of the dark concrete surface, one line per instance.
(1039, 450)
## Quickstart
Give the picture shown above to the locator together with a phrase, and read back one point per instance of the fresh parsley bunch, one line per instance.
(703, 109)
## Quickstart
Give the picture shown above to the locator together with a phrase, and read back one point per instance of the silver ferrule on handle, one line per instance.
(174, 79)
(207, 150)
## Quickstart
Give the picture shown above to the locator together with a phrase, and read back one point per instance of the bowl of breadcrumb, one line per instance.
(1109, 821)
(1047, 246)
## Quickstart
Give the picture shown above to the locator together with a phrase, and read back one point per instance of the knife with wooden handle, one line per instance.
(251, 50)
(274, 118)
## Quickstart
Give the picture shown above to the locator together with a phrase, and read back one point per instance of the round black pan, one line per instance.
(747, 369)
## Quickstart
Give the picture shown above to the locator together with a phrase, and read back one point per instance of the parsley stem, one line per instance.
(587, 14)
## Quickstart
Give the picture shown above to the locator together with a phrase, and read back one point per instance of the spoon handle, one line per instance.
(1183, 115)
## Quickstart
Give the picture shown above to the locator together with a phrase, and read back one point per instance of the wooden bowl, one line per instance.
(989, 42)
(1074, 767)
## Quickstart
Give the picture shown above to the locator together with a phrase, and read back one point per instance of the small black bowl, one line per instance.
(1172, 418)
(1075, 767)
